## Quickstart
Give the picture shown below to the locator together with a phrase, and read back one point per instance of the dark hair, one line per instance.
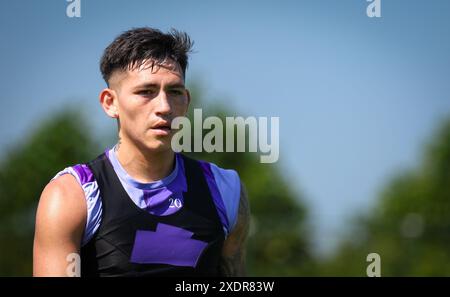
(134, 47)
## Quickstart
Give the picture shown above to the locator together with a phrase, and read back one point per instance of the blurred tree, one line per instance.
(410, 226)
(59, 142)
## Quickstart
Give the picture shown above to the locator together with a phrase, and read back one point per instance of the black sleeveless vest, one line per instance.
(131, 242)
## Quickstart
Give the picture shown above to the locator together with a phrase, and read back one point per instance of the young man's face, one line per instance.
(147, 100)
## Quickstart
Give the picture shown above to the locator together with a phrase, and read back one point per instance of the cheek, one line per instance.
(133, 113)
(181, 106)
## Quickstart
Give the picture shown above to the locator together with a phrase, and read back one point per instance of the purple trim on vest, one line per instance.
(206, 167)
(168, 245)
(84, 173)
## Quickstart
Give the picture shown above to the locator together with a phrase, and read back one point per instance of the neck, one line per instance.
(145, 166)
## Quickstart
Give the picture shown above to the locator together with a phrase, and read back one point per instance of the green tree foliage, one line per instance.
(410, 226)
(28, 166)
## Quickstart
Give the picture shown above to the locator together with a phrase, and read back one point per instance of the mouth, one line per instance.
(162, 128)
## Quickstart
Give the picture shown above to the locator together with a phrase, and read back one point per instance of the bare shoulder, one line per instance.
(234, 249)
(60, 221)
(62, 207)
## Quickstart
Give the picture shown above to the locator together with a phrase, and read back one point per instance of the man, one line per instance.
(140, 209)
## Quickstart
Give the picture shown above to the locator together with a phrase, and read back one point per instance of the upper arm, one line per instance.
(60, 223)
(233, 252)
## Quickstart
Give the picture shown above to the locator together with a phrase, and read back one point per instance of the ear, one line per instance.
(109, 101)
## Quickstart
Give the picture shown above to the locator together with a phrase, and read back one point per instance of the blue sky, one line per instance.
(357, 97)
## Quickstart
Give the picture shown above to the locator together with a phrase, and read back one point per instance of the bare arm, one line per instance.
(233, 253)
(60, 222)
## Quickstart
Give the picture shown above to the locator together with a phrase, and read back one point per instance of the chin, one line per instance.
(159, 145)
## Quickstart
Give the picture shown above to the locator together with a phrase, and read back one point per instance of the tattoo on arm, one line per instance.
(233, 255)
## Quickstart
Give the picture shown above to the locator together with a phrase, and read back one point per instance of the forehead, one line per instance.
(168, 72)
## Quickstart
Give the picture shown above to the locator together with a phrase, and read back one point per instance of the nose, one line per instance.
(163, 104)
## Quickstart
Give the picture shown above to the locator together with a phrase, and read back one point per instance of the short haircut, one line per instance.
(134, 47)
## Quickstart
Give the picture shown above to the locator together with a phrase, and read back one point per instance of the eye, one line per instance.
(176, 92)
(147, 92)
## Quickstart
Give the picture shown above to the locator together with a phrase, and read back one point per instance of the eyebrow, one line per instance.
(153, 85)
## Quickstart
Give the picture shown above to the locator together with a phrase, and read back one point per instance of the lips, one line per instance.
(162, 127)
